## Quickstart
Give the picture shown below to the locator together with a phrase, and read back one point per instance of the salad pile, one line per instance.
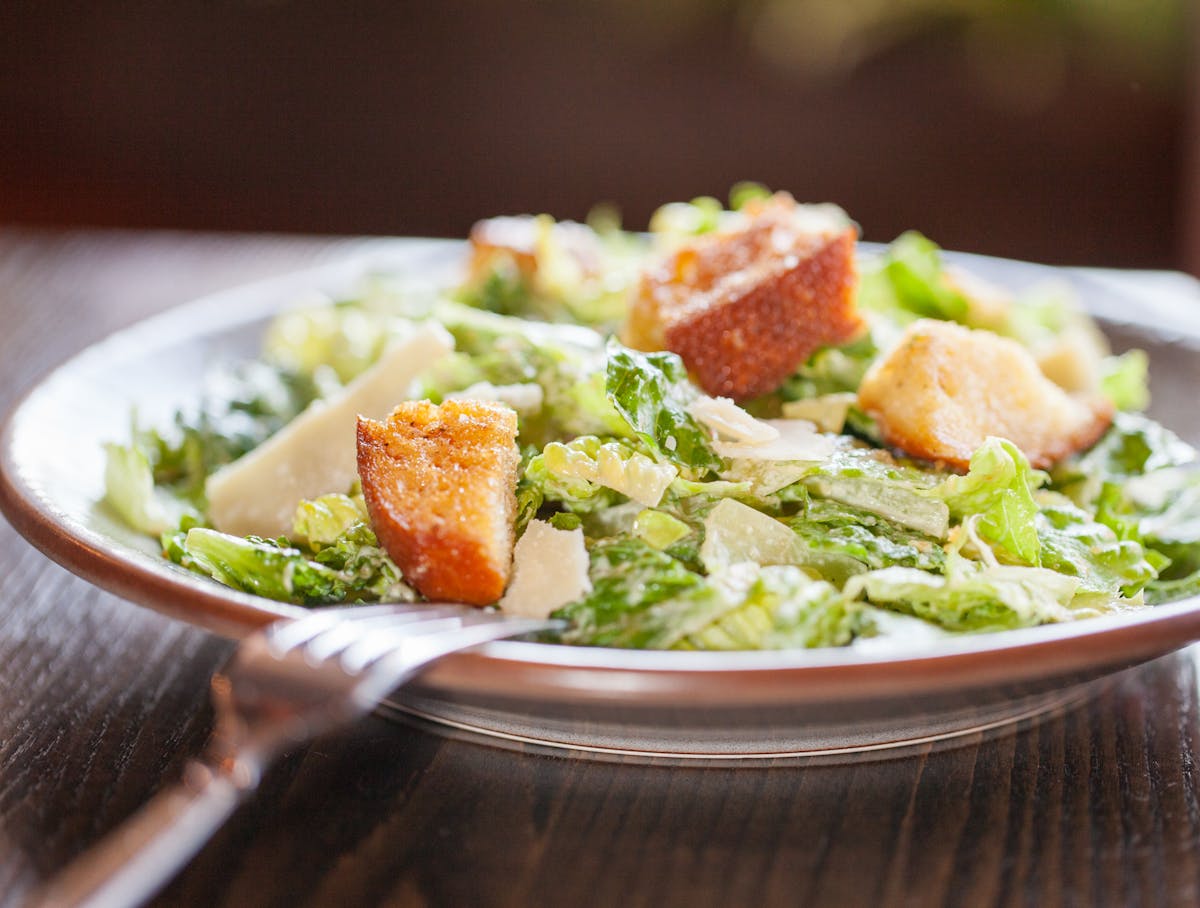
(667, 515)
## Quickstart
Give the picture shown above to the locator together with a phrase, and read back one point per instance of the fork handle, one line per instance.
(132, 864)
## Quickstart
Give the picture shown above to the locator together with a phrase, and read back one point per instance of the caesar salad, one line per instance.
(737, 430)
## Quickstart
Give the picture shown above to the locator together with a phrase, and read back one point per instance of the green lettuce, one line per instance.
(874, 541)
(130, 492)
(565, 361)
(784, 609)
(902, 494)
(1161, 510)
(971, 597)
(652, 392)
(567, 474)
(238, 410)
(908, 282)
(320, 522)
(1133, 446)
(641, 598)
(997, 495)
(352, 569)
(1125, 380)
(1074, 544)
(334, 556)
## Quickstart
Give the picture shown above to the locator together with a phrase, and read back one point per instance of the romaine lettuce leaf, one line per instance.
(1125, 380)
(1133, 446)
(569, 474)
(652, 392)
(238, 410)
(970, 597)
(1074, 544)
(343, 338)
(566, 361)
(569, 273)
(908, 282)
(997, 493)
(899, 493)
(320, 521)
(640, 598)
(875, 542)
(130, 492)
(784, 608)
(643, 598)
(832, 370)
(1161, 510)
(352, 568)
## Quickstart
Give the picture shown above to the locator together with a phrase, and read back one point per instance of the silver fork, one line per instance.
(288, 683)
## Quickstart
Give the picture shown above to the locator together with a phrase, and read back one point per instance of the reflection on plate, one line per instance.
(728, 705)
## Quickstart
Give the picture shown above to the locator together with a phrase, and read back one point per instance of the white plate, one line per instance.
(734, 706)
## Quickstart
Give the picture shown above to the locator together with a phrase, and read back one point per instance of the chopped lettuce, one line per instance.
(566, 362)
(997, 492)
(680, 220)
(345, 339)
(353, 568)
(1075, 545)
(971, 597)
(832, 370)
(908, 282)
(238, 410)
(1161, 510)
(569, 474)
(873, 541)
(899, 493)
(652, 392)
(130, 491)
(1125, 380)
(321, 521)
(561, 271)
(1134, 446)
(784, 609)
(892, 500)
(641, 598)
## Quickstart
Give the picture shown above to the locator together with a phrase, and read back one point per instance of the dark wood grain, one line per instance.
(101, 702)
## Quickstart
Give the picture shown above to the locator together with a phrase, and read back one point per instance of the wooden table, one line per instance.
(101, 702)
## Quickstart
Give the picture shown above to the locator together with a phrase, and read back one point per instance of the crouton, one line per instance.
(440, 486)
(746, 306)
(943, 389)
(514, 242)
(1072, 357)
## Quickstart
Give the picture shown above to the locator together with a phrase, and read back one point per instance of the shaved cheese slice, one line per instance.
(549, 570)
(828, 412)
(734, 533)
(727, 419)
(315, 453)
(796, 439)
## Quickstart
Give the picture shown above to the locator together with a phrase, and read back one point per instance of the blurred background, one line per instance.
(1053, 130)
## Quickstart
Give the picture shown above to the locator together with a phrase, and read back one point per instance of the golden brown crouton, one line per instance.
(514, 242)
(745, 307)
(440, 486)
(943, 389)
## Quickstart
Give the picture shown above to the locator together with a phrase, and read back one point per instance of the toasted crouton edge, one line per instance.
(437, 559)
